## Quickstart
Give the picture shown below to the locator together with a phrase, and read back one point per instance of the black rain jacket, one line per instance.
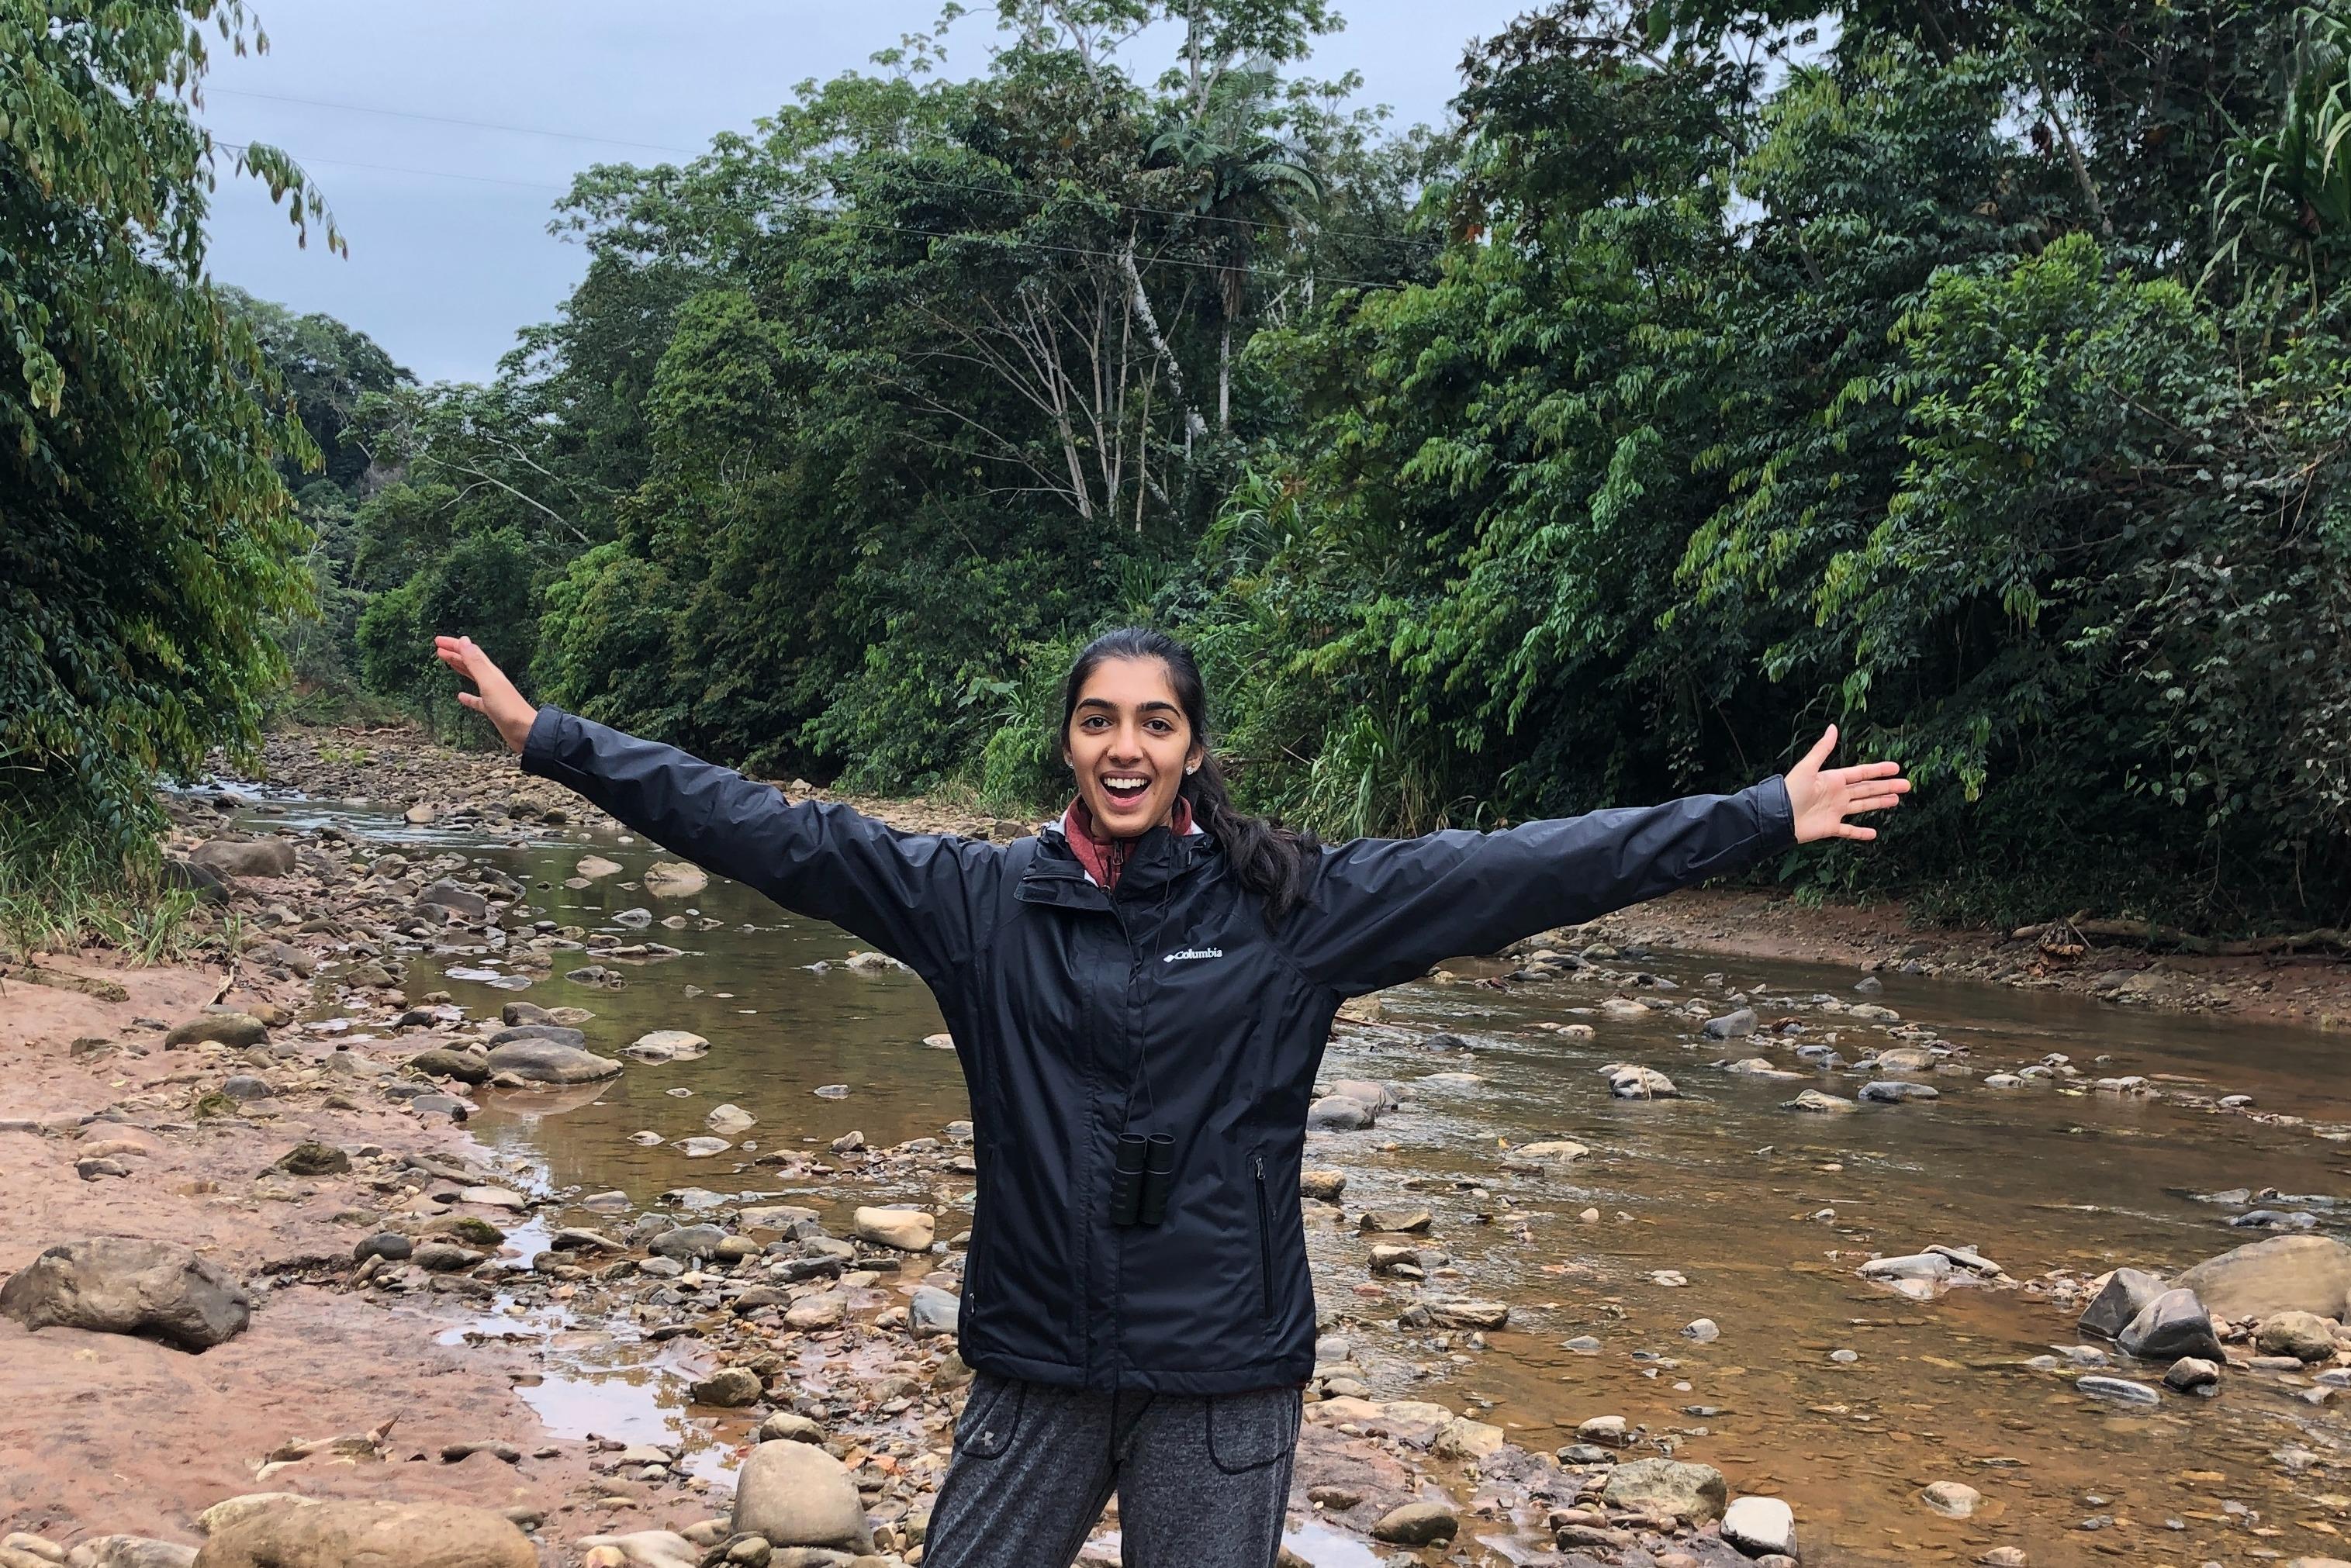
(1168, 1007)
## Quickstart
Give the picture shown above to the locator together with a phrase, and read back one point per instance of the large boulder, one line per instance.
(246, 857)
(2305, 1336)
(2124, 1296)
(1692, 1492)
(2282, 1274)
(908, 1229)
(371, 1535)
(795, 1494)
(550, 1061)
(2172, 1325)
(111, 1284)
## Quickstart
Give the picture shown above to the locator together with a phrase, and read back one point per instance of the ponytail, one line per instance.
(1268, 858)
(1265, 857)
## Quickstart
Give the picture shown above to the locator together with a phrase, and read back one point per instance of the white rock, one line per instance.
(1760, 1525)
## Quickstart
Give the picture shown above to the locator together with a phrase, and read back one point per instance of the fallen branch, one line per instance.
(2149, 933)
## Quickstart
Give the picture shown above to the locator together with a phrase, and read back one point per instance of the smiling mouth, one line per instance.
(1125, 788)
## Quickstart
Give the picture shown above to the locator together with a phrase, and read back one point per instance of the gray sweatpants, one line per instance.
(1202, 1481)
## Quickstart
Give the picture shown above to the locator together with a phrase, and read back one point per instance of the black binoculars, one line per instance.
(1139, 1182)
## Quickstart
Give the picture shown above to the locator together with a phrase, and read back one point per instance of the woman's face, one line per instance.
(1129, 744)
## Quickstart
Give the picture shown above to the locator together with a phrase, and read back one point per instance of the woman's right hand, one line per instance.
(498, 700)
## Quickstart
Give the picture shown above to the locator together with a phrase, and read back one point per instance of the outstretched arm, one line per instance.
(1380, 911)
(913, 895)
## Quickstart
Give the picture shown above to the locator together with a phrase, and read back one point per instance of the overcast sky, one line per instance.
(447, 222)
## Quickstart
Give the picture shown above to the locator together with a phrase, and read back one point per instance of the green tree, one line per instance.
(148, 531)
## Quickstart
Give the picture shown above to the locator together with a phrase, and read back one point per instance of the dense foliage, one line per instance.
(1974, 376)
(145, 530)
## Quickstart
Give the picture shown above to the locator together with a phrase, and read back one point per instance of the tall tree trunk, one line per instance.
(1225, 378)
(1193, 424)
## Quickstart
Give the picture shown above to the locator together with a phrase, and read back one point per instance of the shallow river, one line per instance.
(1763, 1213)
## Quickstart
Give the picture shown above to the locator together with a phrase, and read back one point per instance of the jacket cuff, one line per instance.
(1776, 814)
(538, 746)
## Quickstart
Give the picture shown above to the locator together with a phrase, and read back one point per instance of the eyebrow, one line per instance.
(1154, 704)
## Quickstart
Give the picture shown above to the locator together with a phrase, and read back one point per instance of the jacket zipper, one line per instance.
(1264, 1239)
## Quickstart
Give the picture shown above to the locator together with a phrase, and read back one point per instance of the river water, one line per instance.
(1837, 1395)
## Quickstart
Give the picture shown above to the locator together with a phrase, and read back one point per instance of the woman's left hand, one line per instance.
(1822, 799)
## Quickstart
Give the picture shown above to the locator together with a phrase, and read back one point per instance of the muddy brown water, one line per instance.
(1763, 1213)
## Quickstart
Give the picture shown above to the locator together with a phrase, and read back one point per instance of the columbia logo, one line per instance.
(1193, 953)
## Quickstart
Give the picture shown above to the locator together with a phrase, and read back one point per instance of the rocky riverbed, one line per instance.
(585, 1209)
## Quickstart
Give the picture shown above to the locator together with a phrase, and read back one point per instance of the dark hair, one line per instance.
(1268, 858)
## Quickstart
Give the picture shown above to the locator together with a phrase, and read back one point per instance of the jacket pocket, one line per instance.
(1264, 1238)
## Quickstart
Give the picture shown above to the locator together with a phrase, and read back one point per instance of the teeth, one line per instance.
(1124, 783)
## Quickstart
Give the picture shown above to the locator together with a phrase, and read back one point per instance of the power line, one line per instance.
(834, 215)
(697, 153)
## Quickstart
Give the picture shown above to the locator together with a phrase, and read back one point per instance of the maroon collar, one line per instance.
(1102, 857)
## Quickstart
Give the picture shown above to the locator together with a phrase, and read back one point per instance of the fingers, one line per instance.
(469, 700)
(1856, 831)
(1872, 803)
(1821, 748)
(1863, 771)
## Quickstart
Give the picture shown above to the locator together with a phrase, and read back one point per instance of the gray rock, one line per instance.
(2305, 1336)
(389, 1245)
(113, 1285)
(345, 1534)
(246, 857)
(1417, 1525)
(1730, 1026)
(730, 1121)
(2121, 1389)
(2192, 1374)
(443, 1062)
(1627, 1083)
(562, 1034)
(1759, 1526)
(542, 1061)
(1375, 1097)
(445, 1258)
(1894, 1092)
(932, 1311)
(235, 1029)
(1339, 1113)
(2172, 1325)
(2282, 1274)
(1818, 1103)
(795, 1494)
(729, 1388)
(1696, 1493)
(687, 1242)
(463, 902)
(2127, 1294)
(668, 1045)
(244, 1089)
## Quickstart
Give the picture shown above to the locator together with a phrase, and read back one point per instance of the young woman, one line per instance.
(1139, 997)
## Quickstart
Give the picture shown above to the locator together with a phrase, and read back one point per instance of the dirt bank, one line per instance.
(103, 1433)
